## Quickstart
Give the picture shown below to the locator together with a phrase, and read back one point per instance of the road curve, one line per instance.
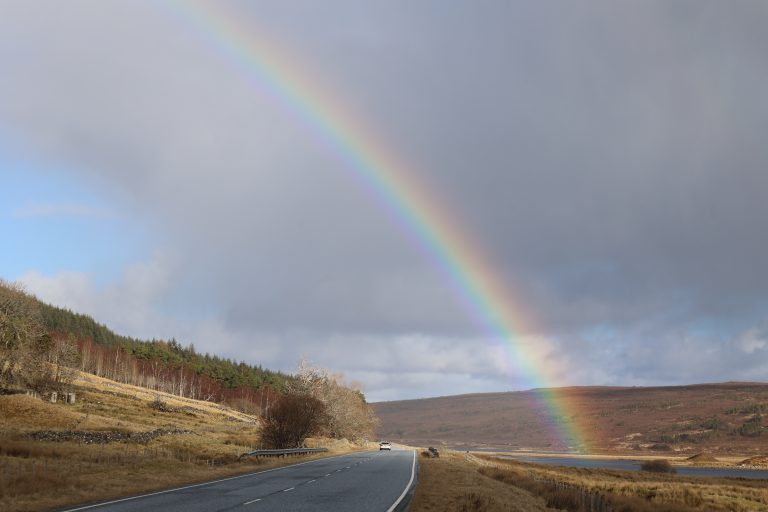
(370, 481)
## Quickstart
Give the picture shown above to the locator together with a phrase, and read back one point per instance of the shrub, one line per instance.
(754, 409)
(713, 424)
(658, 466)
(753, 427)
(161, 405)
(291, 420)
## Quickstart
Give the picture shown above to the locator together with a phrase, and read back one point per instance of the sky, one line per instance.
(608, 157)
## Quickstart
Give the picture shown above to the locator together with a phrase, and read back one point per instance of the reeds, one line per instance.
(631, 491)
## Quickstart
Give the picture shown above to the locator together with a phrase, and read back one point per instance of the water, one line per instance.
(634, 465)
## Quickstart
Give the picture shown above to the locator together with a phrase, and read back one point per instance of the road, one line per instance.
(370, 481)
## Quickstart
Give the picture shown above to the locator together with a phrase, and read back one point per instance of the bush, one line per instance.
(658, 466)
(161, 405)
(713, 424)
(291, 420)
(752, 427)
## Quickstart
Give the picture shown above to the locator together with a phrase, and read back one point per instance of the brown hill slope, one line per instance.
(118, 439)
(718, 418)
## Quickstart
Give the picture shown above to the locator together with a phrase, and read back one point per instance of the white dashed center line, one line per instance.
(288, 489)
(252, 501)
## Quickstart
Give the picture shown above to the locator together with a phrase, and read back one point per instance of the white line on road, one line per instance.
(252, 501)
(202, 484)
(405, 491)
(311, 481)
(288, 489)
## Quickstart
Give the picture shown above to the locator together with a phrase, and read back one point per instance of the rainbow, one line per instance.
(418, 212)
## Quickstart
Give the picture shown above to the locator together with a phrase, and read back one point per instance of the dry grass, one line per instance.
(458, 482)
(638, 490)
(449, 483)
(41, 475)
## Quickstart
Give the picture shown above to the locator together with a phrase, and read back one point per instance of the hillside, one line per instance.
(118, 439)
(170, 365)
(69, 339)
(718, 418)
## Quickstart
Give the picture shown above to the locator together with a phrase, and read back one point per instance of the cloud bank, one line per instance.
(608, 156)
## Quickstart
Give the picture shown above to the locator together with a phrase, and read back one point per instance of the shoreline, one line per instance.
(729, 462)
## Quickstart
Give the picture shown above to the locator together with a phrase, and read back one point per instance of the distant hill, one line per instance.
(722, 418)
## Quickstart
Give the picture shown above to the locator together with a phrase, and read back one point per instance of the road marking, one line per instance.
(405, 491)
(288, 489)
(311, 481)
(86, 507)
(252, 501)
(327, 474)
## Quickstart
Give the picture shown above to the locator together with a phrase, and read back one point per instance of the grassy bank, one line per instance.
(630, 490)
(698, 460)
(118, 440)
(465, 482)
(450, 483)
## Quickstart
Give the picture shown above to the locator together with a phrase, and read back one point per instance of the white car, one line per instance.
(385, 445)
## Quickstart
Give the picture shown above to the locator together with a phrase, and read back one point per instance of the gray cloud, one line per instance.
(608, 155)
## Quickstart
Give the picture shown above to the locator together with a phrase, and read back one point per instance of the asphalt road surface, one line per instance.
(367, 481)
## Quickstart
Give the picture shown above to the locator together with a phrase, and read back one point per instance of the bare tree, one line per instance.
(24, 344)
(347, 414)
(63, 357)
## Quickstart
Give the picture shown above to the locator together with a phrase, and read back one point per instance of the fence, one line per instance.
(288, 452)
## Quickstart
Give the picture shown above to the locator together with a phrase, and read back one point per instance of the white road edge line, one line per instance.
(405, 491)
(252, 501)
(200, 485)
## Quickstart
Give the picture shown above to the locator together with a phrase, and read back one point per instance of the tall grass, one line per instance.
(631, 491)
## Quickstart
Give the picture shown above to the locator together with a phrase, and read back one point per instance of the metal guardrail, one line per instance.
(283, 453)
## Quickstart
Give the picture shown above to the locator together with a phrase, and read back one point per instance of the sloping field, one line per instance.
(116, 440)
(714, 418)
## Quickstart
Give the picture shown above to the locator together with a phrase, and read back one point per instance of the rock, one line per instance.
(103, 437)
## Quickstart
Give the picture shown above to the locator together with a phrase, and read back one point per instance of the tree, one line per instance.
(24, 344)
(291, 419)
(347, 414)
(64, 358)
